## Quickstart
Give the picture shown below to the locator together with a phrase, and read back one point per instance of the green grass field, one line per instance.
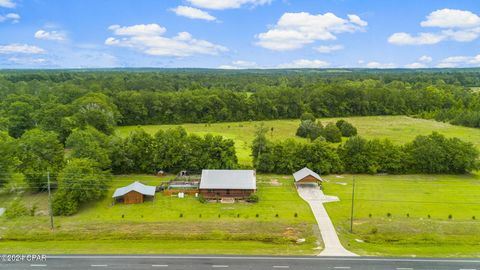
(169, 221)
(409, 199)
(399, 129)
(156, 227)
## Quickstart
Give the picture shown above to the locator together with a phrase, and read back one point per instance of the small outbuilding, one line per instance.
(218, 184)
(134, 193)
(306, 175)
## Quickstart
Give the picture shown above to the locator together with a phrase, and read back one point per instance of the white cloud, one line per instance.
(50, 35)
(415, 65)
(240, 64)
(27, 61)
(149, 39)
(295, 30)
(20, 49)
(13, 17)
(425, 59)
(227, 4)
(305, 63)
(329, 48)
(455, 61)
(446, 65)
(357, 20)
(451, 18)
(137, 30)
(7, 3)
(193, 13)
(421, 39)
(456, 25)
(374, 64)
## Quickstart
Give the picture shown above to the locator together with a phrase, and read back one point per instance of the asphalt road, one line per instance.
(133, 262)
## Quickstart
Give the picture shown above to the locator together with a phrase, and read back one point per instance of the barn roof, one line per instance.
(136, 186)
(228, 179)
(299, 175)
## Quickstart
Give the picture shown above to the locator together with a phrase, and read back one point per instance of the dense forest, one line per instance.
(60, 101)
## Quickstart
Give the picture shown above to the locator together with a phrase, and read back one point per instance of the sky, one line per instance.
(239, 34)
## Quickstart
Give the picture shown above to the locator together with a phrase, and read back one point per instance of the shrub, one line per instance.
(473, 217)
(450, 216)
(347, 129)
(276, 215)
(181, 215)
(428, 216)
(370, 215)
(63, 204)
(408, 215)
(295, 215)
(309, 129)
(253, 198)
(332, 133)
(238, 215)
(201, 199)
(389, 214)
(16, 209)
(200, 215)
(257, 215)
(374, 230)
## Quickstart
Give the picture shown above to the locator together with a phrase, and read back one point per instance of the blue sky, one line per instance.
(239, 33)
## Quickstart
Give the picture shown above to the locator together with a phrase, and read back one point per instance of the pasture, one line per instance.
(391, 217)
(271, 226)
(399, 129)
(422, 215)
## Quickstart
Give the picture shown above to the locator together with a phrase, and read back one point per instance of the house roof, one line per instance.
(136, 186)
(299, 175)
(228, 179)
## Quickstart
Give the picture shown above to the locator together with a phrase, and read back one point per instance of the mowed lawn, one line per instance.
(399, 129)
(391, 217)
(171, 224)
(391, 214)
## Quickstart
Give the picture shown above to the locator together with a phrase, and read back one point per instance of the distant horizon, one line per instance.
(239, 69)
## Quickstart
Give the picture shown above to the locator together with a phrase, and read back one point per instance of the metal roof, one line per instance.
(299, 175)
(136, 186)
(228, 179)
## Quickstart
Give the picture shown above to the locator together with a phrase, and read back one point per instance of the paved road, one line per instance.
(315, 198)
(132, 262)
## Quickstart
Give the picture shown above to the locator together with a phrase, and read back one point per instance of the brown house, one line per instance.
(236, 184)
(134, 193)
(306, 175)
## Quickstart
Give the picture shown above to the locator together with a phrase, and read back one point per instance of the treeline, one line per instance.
(425, 154)
(40, 98)
(62, 108)
(38, 152)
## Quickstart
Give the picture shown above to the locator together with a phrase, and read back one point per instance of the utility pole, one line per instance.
(353, 205)
(50, 201)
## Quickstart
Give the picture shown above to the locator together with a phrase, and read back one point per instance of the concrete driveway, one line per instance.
(315, 198)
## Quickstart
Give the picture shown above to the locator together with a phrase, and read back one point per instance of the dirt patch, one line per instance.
(290, 233)
(274, 182)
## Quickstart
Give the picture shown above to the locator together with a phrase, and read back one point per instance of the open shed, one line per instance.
(305, 176)
(134, 193)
